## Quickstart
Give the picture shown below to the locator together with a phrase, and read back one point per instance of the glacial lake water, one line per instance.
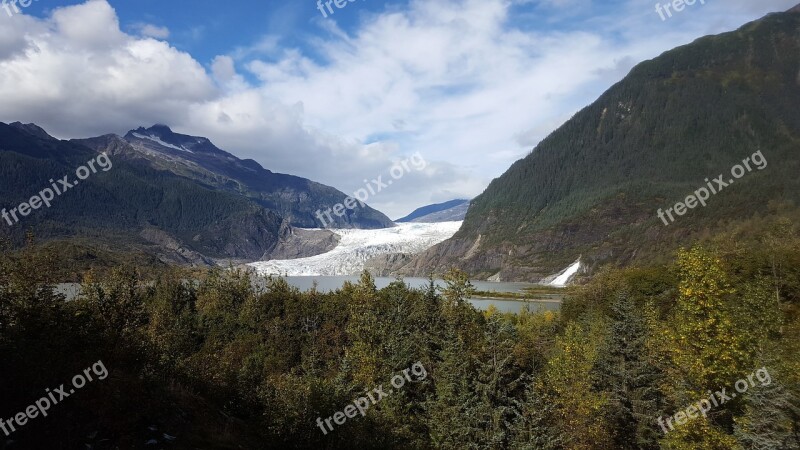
(331, 283)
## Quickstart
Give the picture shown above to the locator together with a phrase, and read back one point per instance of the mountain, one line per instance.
(293, 198)
(451, 211)
(130, 207)
(158, 198)
(592, 189)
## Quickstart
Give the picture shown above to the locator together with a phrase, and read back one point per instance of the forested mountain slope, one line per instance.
(294, 198)
(594, 186)
(130, 207)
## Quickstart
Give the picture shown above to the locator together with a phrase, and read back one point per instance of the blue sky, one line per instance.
(472, 85)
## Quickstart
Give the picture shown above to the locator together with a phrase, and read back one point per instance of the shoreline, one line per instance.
(521, 300)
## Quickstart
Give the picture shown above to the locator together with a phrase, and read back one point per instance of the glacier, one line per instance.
(357, 246)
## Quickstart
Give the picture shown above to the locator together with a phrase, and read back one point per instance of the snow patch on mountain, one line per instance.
(357, 246)
(158, 141)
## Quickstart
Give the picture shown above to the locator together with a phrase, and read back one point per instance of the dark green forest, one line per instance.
(130, 198)
(593, 186)
(213, 359)
(679, 336)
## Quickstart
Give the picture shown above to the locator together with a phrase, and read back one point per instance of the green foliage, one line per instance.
(629, 376)
(109, 213)
(222, 359)
(770, 419)
(594, 185)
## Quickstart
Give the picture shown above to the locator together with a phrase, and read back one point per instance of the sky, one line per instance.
(469, 85)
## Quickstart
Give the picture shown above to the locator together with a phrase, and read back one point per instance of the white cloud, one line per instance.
(92, 25)
(461, 81)
(77, 75)
(150, 30)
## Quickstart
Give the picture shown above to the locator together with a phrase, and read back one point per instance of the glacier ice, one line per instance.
(357, 246)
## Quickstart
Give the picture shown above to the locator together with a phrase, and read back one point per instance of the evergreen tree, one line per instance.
(495, 383)
(771, 419)
(451, 412)
(533, 427)
(630, 379)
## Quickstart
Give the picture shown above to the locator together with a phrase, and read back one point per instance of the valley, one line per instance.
(597, 231)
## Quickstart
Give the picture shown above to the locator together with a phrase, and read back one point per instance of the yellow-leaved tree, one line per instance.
(707, 349)
(568, 386)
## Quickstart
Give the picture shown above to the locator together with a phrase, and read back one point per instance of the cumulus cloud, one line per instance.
(150, 30)
(464, 82)
(77, 75)
(92, 25)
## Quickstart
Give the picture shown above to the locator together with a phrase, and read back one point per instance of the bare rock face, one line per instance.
(172, 251)
(301, 243)
(387, 265)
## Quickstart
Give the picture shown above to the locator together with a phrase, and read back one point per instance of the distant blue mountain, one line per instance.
(433, 213)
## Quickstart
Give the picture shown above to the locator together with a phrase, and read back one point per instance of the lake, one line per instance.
(332, 283)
